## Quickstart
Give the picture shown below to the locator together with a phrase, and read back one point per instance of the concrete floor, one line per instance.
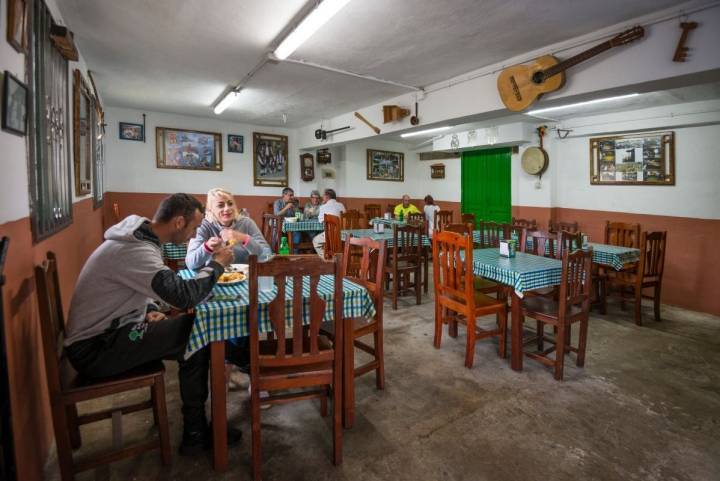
(645, 407)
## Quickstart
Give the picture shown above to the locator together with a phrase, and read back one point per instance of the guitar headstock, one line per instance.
(628, 36)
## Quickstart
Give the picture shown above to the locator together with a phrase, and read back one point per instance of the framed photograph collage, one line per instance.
(646, 158)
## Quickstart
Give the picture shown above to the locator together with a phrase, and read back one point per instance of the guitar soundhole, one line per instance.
(538, 78)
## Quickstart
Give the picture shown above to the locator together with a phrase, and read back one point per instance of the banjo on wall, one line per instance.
(535, 160)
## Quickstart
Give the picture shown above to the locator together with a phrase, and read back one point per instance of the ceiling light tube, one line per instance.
(308, 26)
(580, 104)
(426, 131)
(226, 101)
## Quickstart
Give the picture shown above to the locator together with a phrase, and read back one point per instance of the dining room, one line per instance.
(345, 239)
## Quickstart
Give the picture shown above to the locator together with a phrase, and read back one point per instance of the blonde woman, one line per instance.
(223, 224)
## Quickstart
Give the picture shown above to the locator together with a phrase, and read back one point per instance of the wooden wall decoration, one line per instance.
(82, 133)
(324, 156)
(62, 39)
(437, 171)
(17, 24)
(307, 167)
(393, 113)
(643, 158)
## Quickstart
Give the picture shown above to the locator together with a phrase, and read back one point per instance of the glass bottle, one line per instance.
(400, 218)
(284, 250)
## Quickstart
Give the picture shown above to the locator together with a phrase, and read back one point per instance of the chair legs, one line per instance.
(438, 325)
(255, 428)
(161, 417)
(582, 343)
(470, 345)
(380, 358)
(638, 306)
(656, 302)
(560, 352)
(73, 426)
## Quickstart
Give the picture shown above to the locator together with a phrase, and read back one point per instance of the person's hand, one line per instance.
(214, 242)
(223, 256)
(232, 236)
(155, 316)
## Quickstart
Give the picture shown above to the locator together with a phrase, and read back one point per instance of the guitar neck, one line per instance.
(566, 64)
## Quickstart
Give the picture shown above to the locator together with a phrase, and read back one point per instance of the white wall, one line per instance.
(14, 194)
(131, 165)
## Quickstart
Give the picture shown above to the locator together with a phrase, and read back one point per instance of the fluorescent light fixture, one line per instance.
(580, 104)
(309, 25)
(226, 101)
(426, 131)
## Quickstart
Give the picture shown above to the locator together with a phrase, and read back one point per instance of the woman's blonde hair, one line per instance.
(214, 194)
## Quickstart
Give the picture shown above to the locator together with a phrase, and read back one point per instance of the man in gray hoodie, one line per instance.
(114, 326)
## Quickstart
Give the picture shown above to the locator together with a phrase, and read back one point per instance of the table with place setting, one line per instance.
(312, 226)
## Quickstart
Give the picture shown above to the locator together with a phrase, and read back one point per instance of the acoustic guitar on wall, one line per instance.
(521, 85)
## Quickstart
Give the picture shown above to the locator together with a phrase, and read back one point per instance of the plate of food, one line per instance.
(231, 278)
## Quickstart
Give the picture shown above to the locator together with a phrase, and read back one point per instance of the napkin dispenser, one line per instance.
(507, 248)
(378, 227)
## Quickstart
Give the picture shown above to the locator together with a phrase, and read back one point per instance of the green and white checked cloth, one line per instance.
(615, 256)
(174, 251)
(387, 236)
(382, 220)
(308, 225)
(524, 272)
(228, 319)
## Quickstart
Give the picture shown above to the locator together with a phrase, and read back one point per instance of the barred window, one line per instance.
(49, 167)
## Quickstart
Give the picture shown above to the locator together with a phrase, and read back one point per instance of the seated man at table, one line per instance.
(405, 208)
(330, 206)
(287, 206)
(114, 326)
(312, 208)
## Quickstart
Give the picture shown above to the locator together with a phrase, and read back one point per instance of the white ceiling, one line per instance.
(180, 56)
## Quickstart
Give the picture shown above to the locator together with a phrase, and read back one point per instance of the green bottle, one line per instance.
(284, 250)
(401, 216)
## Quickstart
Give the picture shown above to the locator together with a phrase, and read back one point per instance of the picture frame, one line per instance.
(437, 171)
(642, 158)
(130, 131)
(307, 167)
(17, 21)
(235, 144)
(83, 128)
(270, 160)
(188, 149)
(323, 156)
(385, 165)
(14, 105)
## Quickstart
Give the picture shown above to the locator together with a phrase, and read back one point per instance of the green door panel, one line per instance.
(485, 183)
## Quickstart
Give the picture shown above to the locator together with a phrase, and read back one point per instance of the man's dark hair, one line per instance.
(175, 205)
(331, 193)
(287, 190)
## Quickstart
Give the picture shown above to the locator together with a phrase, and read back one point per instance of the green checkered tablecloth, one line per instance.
(174, 251)
(382, 220)
(386, 236)
(615, 256)
(524, 272)
(309, 225)
(228, 319)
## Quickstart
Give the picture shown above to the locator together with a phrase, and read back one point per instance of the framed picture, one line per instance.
(385, 165)
(235, 144)
(188, 149)
(14, 105)
(437, 171)
(644, 158)
(270, 166)
(130, 131)
(17, 24)
(307, 169)
(323, 156)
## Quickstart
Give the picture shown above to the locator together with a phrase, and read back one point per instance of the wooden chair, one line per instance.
(333, 242)
(298, 362)
(350, 219)
(462, 229)
(416, 218)
(405, 258)
(272, 230)
(372, 211)
(557, 226)
(442, 218)
(527, 223)
(491, 233)
(622, 234)
(66, 388)
(540, 243)
(573, 306)
(649, 273)
(568, 241)
(468, 219)
(456, 300)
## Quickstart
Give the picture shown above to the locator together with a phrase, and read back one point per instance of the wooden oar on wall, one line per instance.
(367, 122)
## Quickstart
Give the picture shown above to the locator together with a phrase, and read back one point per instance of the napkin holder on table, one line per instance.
(507, 248)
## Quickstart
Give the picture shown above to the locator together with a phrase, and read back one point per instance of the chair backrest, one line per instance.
(468, 219)
(304, 272)
(541, 243)
(464, 228)
(372, 211)
(622, 234)
(453, 269)
(527, 223)
(557, 226)
(369, 273)
(575, 282)
(52, 324)
(350, 219)
(270, 208)
(568, 241)
(407, 242)
(416, 218)
(271, 230)
(491, 233)
(333, 242)
(652, 254)
(441, 218)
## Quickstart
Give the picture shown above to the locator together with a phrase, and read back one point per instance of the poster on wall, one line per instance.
(385, 165)
(270, 153)
(188, 149)
(646, 158)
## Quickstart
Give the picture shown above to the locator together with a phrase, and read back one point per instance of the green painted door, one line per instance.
(486, 184)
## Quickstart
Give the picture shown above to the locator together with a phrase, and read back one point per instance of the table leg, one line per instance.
(218, 405)
(348, 374)
(516, 355)
(290, 242)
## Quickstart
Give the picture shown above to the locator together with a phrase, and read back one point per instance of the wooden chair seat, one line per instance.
(547, 309)
(483, 304)
(74, 383)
